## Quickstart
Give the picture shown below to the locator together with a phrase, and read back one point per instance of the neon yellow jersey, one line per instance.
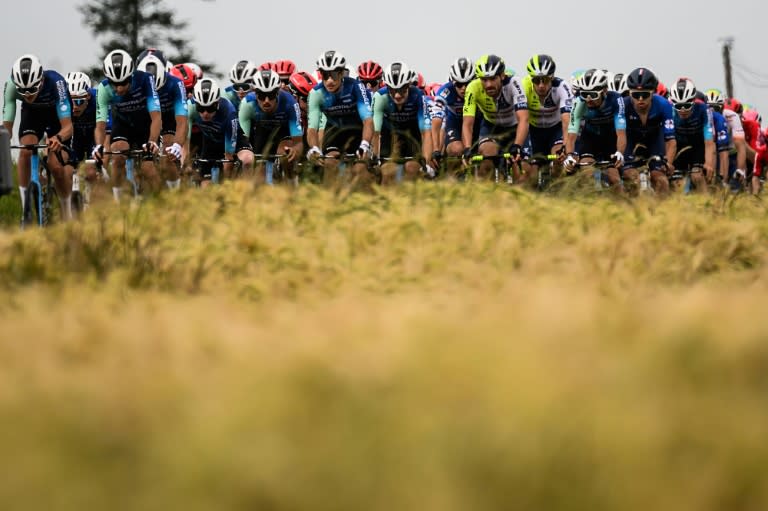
(547, 112)
(500, 111)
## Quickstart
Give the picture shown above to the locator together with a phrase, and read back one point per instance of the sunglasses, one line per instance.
(208, 109)
(336, 74)
(683, 106)
(28, 91)
(267, 95)
(460, 85)
(120, 84)
(402, 90)
(640, 94)
(79, 101)
(537, 80)
(590, 94)
(241, 87)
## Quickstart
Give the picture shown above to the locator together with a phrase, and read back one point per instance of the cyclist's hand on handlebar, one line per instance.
(618, 159)
(570, 162)
(314, 153)
(54, 143)
(516, 151)
(466, 157)
(291, 153)
(174, 151)
(98, 154)
(151, 147)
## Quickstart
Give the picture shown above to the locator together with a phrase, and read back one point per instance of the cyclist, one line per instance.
(714, 99)
(603, 131)
(241, 76)
(84, 124)
(173, 109)
(738, 152)
(271, 118)
(45, 112)
(301, 85)
(369, 73)
(222, 136)
(197, 70)
(650, 125)
(693, 129)
(401, 125)
(348, 117)
(549, 106)
(446, 131)
(284, 69)
(504, 109)
(131, 97)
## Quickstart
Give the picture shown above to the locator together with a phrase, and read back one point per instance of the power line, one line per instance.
(746, 69)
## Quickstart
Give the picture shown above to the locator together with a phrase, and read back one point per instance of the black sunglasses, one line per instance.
(241, 87)
(79, 101)
(336, 74)
(402, 90)
(209, 109)
(460, 85)
(683, 106)
(590, 94)
(267, 95)
(541, 79)
(640, 94)
(28, 91)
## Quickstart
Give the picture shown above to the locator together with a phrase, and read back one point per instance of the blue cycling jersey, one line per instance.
(53, 96)
(449, 99)
(721, 133)
(413, 113)
(287, 114)
(132, 107)
(173, 96)
(230, 93)
(694, 129)
(349, 106)
(221, 129)
(601, 121)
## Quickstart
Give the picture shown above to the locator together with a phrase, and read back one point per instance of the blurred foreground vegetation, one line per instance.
(437, 347)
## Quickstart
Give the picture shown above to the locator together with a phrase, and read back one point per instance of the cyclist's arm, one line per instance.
(9, 109)
(314, 104)
(245, 115)
(156, 126)
(380, 107)
(574, 125)
(365, 112)
(521, 135)
(181, 112)
(670, 142)
(620, 124)
(709, 142)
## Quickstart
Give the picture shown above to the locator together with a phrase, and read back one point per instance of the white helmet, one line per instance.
(242, 72)
(617, 82)
(266, 81)
(462, 70)
(118, 66)
(196, 69)
(683, 91)
(397, 75)
(594, 79)
(206, 92)
(78, 83)
(27, 72)
(331, 60)
(154, 66)
(168, 66)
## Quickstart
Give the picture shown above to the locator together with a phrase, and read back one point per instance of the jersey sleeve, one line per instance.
(566, 98)
(63, 103)
(380, 107)
(363, 103)
(191, 117)
(722, 137)
(669, 120)
(470, 98)
(708, 134)
(180, 102)
(619, 117)
(245, 115)
(425, 119)
(577, 113)
(518, 95)
(314, 108)
(103, 99)
(9, 108)
(294, 118)
(230, 133)
(153, 102)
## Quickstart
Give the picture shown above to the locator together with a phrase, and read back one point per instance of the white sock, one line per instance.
(116, 193)
(66, 208)
(173, 184)
(23, 192)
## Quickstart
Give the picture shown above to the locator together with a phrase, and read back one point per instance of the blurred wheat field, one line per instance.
(436, 347)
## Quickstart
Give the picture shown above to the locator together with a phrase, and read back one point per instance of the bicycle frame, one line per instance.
(36, 194)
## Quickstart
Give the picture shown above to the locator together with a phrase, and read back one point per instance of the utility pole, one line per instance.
(727, 44)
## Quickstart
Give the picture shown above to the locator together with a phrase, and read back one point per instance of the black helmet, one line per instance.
(642, 78)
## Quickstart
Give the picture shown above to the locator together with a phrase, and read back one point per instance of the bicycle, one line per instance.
(545, 164)
(133, 156)
(40, 191)
(214, 165)
(601, 179)
(500, 167)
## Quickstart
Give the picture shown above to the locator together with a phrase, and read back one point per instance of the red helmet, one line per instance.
(751, 115)
(661, 90)
(284, 67)
(369, 71)
(267, 66)
(186, 74)
(733, 104)
(301, 83)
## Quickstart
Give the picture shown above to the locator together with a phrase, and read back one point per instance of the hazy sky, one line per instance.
(674, 38)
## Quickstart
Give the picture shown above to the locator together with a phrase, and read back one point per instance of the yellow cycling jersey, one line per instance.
(500, 111)
(547, 112)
